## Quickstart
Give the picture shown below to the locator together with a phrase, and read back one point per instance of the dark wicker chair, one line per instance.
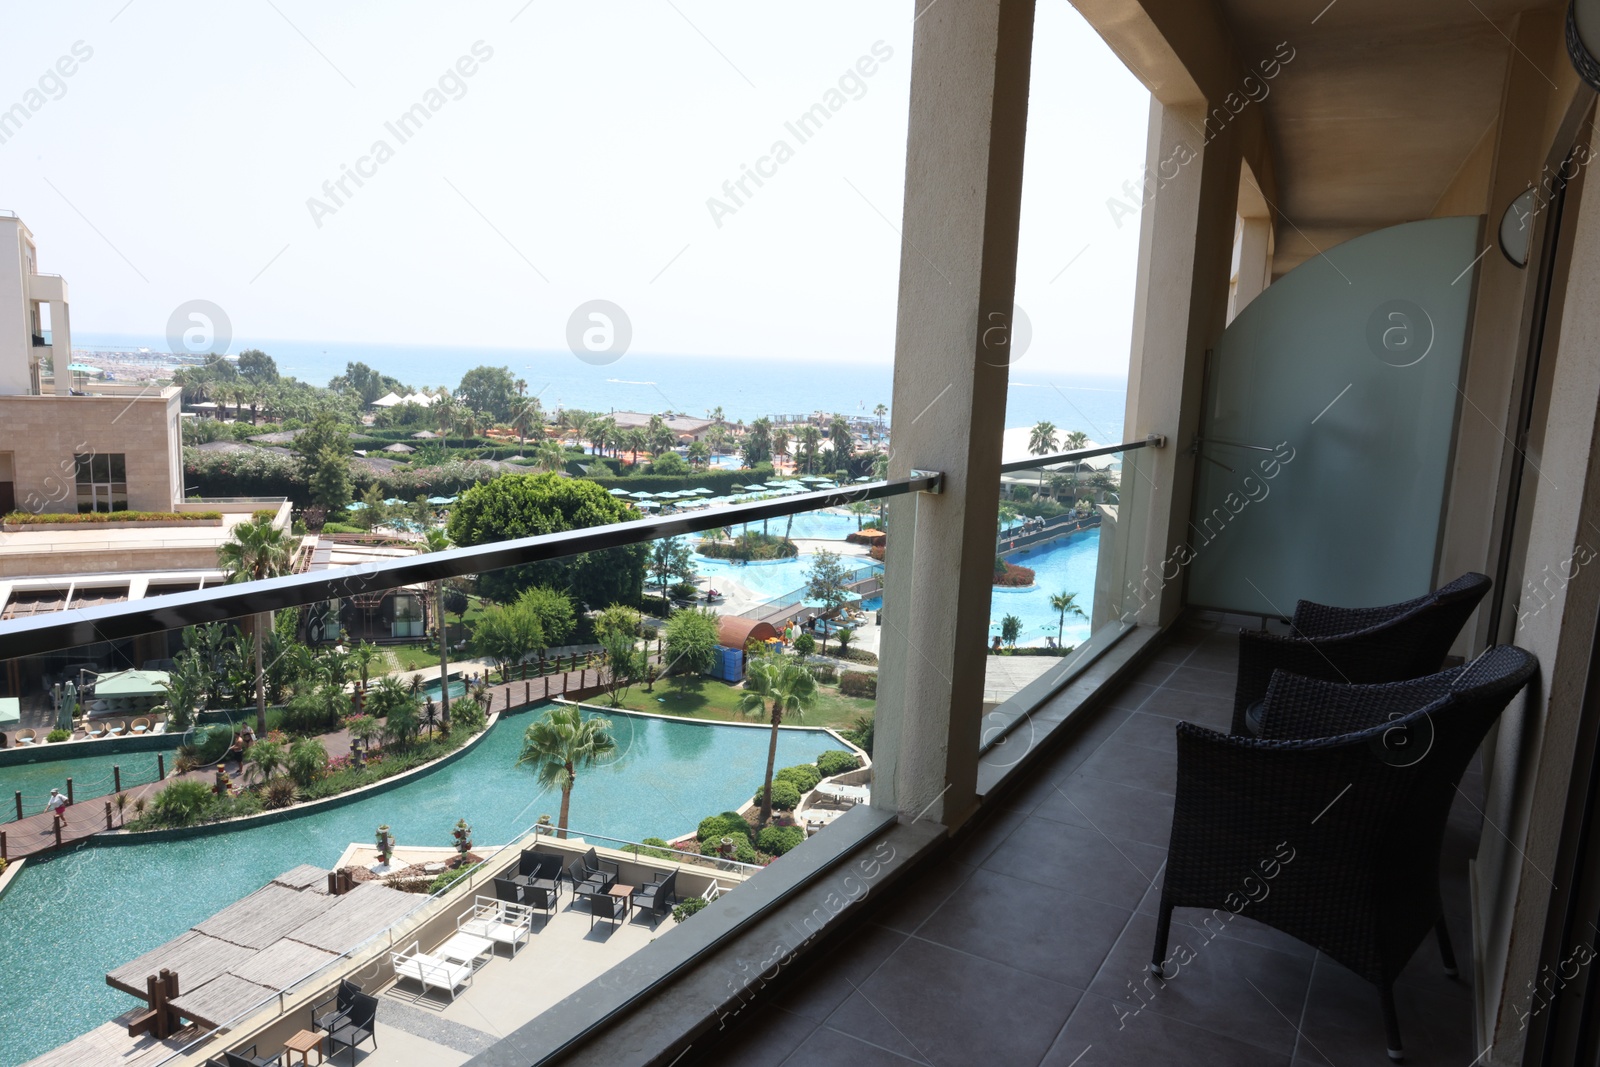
(1357, 646)
(1330, 827)
(656, 896)
(508, 890)
(325, 1013)
(539, 873)
(246, 1057)
(605, 906)
(589, 875)
(358, 1024)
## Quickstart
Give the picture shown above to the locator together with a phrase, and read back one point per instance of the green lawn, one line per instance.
(707, 698)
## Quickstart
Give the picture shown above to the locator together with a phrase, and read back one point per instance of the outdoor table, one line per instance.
(626, 893)
(465, 948)
(303, 1042)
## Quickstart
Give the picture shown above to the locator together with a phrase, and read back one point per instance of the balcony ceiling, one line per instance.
(1380, 105)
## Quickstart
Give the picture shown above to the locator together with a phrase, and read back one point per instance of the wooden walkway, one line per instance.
(36, 834)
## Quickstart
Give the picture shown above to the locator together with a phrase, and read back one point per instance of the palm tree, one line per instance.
(839, 434)
(1065, 602)
(880, 411)
(364, 656)
(810, 444)
(660, 437)
(792, 690)
(780, 442)
(860, 509)
(1042, 442)
(558, 745)
(635, 441)
(548, 456)
(1075, 440)
(255, 551)
(436, 540)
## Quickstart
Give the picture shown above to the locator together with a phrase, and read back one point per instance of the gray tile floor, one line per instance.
(1027, 945)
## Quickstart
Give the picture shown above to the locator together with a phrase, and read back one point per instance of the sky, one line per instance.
(569, 156)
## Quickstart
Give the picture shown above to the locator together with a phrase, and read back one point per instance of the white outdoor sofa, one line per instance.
(500, 921)
(431, 971)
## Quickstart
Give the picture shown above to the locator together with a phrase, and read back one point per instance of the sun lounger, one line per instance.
(430, 971)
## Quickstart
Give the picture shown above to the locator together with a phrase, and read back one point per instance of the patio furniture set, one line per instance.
(1347, 745)
(345, 1019)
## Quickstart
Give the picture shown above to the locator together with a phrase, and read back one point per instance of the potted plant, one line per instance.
(463, 835)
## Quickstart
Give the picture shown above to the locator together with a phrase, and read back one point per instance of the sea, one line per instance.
(745, 388)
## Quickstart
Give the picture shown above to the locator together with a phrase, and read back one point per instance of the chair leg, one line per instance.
(1446, 951)
(1163, 930)
(1391, 1023)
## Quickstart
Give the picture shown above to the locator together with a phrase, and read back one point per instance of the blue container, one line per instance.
(729, 666)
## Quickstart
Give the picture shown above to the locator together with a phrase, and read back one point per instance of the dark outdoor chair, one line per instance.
(355, 1026)
(605, 906)
(1329, 828)
(246, 1057)
(508, 890)
(1357, 646)
(656, 896)
(539, 873)
(324, 1013)
(588, 873)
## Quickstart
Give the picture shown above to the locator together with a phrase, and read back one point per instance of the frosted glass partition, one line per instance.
(1326, 438)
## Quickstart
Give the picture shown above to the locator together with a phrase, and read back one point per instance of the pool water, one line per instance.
(72, 918)
(1065, 565)
(91, 777)
(765, 579)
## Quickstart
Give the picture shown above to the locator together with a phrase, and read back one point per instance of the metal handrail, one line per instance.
(111, 622)
(1153, 441)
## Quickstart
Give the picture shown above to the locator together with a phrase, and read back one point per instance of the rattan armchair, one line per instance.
(1357, 646)
(1330, 827)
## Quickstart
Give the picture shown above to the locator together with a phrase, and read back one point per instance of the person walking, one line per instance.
(57, 804)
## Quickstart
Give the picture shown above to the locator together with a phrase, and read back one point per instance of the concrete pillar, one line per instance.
(61, 346)
(964, 153)
(1180, 308)
(1255, 263)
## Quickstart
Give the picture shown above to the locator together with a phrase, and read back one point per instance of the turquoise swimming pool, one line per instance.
(1066, 565)
(771, 578)
(92, 776)
(70, 919)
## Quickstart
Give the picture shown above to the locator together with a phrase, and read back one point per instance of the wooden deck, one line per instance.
(232, 962)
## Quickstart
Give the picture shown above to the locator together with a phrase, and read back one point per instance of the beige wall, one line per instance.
(43, 433)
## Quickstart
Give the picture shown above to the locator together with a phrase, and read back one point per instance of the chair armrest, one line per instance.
(1313, 620)
(616, 868)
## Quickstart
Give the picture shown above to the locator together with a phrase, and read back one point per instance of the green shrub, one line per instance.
(314, 712)
(235, 807)
(58, 735)
(858, 684)
(803, 776)
(182, 803)
(280, 792)
(466, 714)
(744, 851)
(837, 761)
(784, 795)
(729, 824)
(682, 911)
(776, 840)
(448, 878)
(860, 733)
(208, 744)
(824, 673)
(804, 644)
(308, 761)
(658, 849)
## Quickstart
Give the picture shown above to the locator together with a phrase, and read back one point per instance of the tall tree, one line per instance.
(255, 551)
(256, 367)
(491, 390)
(758, 442)
(670, 561)
(779, 687)
(559, 745)
(523, 505)
(436, 540)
